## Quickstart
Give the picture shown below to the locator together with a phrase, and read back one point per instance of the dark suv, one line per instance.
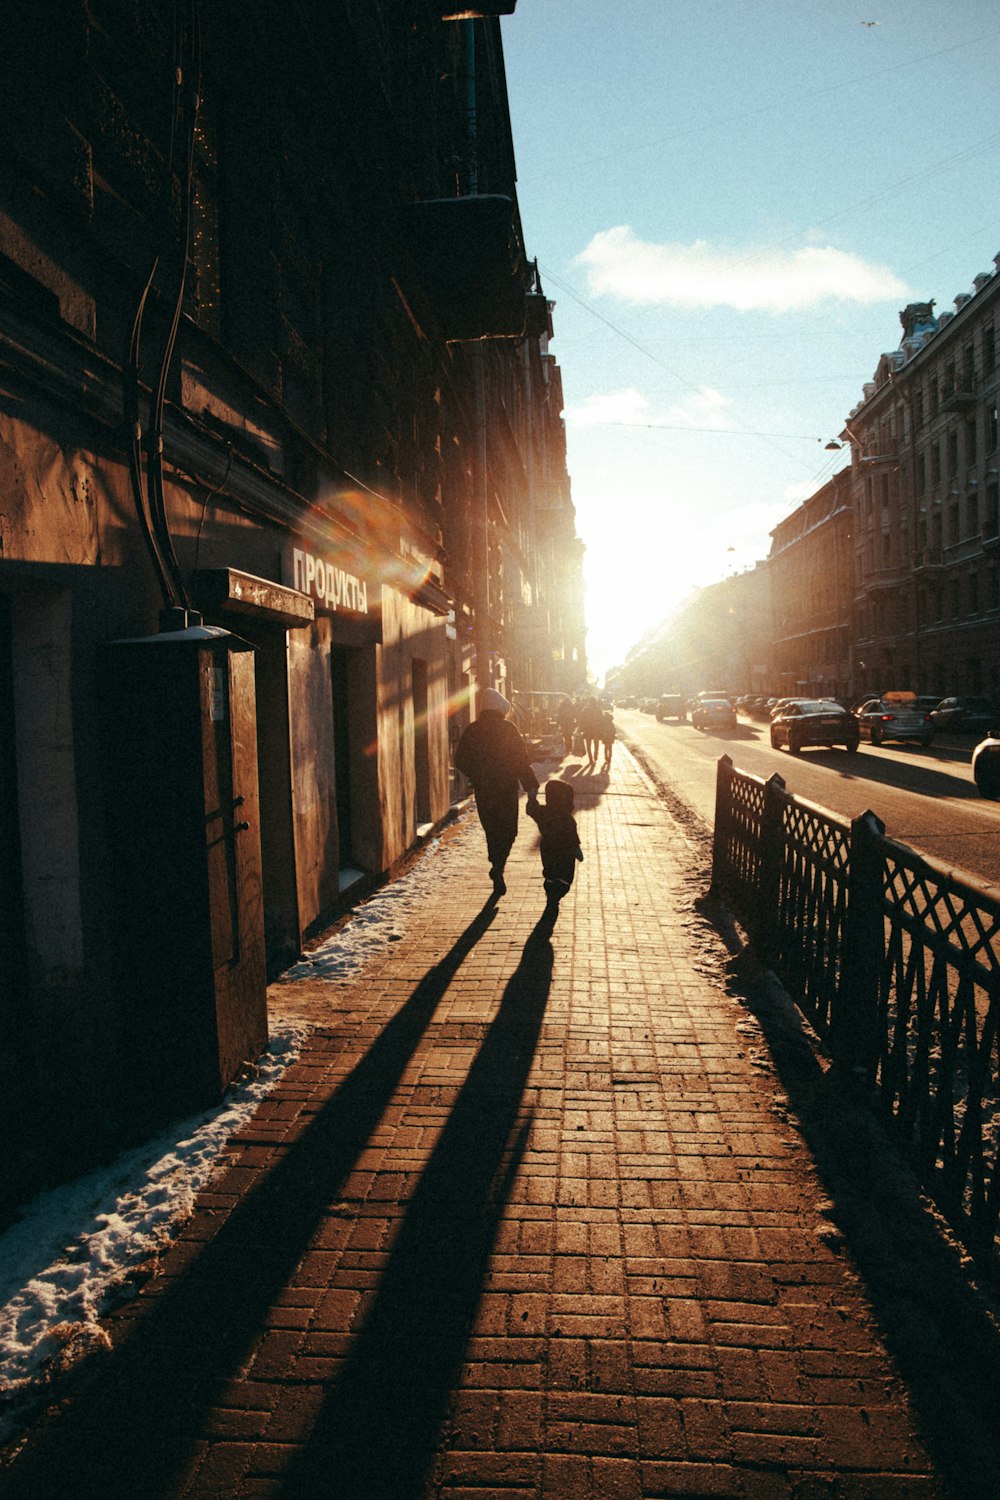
(965, 716)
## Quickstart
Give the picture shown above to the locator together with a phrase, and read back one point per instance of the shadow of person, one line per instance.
(132, 1420)
(378, 1429)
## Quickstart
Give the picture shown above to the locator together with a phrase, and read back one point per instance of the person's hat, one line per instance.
(493, 702)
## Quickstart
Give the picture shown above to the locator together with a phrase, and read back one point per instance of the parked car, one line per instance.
(671, 706)
(966, 716)
(986, 766)
(928, 702)
(894, 716)
(813, 721)
(713, 713)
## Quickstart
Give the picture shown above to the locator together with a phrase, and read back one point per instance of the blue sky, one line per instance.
(730, 201)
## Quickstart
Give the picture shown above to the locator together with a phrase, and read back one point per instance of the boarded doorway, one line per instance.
(344, 716)
(421, 746)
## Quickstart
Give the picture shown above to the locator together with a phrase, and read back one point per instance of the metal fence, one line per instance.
(894, 959)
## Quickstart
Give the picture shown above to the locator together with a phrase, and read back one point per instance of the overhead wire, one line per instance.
(776, 104)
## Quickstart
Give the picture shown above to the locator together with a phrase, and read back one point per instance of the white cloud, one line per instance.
(773, 280)
(704, 407)
(598, 410)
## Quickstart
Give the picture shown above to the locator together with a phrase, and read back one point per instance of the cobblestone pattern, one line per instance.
(526, 1219)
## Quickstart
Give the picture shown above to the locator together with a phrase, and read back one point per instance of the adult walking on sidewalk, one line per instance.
(591, 723)
(493, 755)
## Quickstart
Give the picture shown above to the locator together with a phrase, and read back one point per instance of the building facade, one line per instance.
(925, 445)
(811, 586)
(283, 484)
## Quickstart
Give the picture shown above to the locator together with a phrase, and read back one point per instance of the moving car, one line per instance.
(986, 766)
(895, 716)
(671, 706)
(813, 721)
(713, 713)
(965, 716)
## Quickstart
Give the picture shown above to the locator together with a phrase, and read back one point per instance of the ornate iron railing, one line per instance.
(895, 961)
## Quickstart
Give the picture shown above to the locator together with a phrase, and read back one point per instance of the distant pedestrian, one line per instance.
(493, 755)
(607, 738)
(590, 726)
(566, 719)
(559, 843)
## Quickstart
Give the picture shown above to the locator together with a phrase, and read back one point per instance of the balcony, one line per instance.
(961, 395)
(930, 557)
(476, 10)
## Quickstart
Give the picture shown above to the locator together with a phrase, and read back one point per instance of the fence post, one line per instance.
(720, 833)
(854, 1036)
(771, 860)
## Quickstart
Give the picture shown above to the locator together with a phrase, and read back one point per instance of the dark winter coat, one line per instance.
(492, 754)
(559, 843)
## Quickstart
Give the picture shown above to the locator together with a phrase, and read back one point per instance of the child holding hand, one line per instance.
(559, 843)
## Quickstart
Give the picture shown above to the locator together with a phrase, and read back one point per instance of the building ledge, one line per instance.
(227, 589)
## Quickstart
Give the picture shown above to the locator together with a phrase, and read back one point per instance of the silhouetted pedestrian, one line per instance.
(566, 719)
(607, 738)
(559, 843)
(493, 755)
(590, 725)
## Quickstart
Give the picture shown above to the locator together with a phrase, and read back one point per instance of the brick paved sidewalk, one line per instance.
(529, 1218)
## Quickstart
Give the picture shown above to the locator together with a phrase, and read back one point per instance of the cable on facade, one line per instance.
(130, 407)
(154, 453)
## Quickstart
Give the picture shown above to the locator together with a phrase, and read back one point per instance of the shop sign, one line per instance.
(331, 586)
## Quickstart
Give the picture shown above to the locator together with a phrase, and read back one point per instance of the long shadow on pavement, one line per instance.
(131, 1422)
(941, 1328)
(376, 1434)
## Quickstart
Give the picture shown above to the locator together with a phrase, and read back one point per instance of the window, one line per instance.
(992, 516)
(968, 368)
(884, 491)
(935, 401)
(921, 473)
(952, 453)
(973, 593)
(972, 515)
(971, 443)
(989, 350)
(918, 410)
(886, 549)
(935, 463)
(992, 428)
(956, 598)
(954, 525)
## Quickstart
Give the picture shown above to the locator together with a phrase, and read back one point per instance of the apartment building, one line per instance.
(925, 463)
(811, 586)
(283, 484)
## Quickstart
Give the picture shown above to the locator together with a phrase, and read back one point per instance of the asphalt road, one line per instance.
(925, 798)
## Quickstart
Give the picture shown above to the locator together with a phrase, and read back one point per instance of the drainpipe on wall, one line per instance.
(481, 516)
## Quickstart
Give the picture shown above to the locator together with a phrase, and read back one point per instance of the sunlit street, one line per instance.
(926, 798)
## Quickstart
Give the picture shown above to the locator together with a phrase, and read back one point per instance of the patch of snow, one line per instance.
(77, 1250)
(71, 1253)
(383, 919)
